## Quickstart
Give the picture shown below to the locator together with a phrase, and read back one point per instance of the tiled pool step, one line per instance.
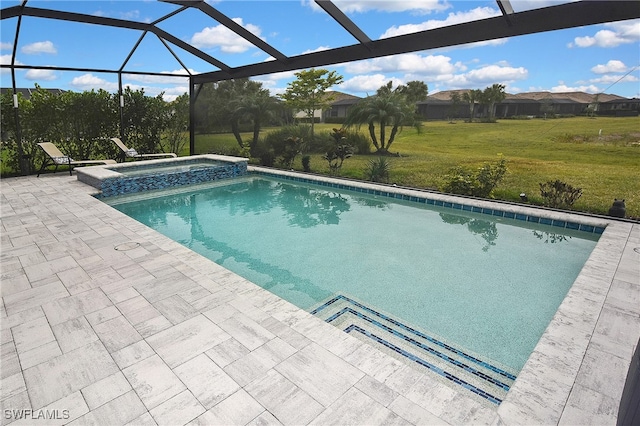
(416, 347)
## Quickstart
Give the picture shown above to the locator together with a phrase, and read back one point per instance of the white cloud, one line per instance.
(617, 33)
(488, 75)
(41, 75)
(452, 19)
(223, 38)
(6, 46)
(614, 78)
(159, 79)
(416, 6)
(497, 73)
(6, 60)
(561, 88)
(317, 49)
(367, 83)
(90, 81)
(39, 47)
(170, 93)
(430, 65)
(611, 66)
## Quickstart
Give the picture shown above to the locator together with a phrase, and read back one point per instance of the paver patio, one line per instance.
(105, 321)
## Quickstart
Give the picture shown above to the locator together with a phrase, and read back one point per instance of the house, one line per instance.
(439, 106)
(26, 92)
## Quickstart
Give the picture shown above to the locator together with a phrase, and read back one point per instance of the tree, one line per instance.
(490, 97)
(414, 91)
(144, 120)
(471, 97)
(456, 100)
(307, 92)
(386, 108)
(175, 137)
(255, 107)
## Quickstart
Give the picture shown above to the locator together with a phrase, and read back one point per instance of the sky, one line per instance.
(593, 59)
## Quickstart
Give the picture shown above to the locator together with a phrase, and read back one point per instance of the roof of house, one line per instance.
(555, 97)
(26, 92)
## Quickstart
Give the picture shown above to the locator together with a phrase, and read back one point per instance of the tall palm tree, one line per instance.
(256, 107)
(386, 108)
(471, 97)
(491, 96)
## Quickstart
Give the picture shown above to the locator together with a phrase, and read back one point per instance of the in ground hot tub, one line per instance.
(126, 178)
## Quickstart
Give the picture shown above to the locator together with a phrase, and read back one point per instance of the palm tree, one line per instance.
(386, 108)
(256, 107)
(491, 96)
(471, 97)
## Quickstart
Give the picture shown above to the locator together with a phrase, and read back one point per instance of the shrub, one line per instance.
(292, 146)
(360, 142)
(378, 170)
(558, 194)
(476, 183)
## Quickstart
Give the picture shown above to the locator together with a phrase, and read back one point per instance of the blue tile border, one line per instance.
(575, 226)
(422, 346)
(415, 332)
(426, 364)
(131, 184)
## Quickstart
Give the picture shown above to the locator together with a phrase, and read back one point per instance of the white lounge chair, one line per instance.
(132, 153)
(57, 158)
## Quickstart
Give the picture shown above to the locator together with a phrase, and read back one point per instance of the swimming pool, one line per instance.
(487, 281)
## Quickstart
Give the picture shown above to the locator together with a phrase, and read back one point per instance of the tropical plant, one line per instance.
(385, 108)
(490, 97)
(472, 97)
(414, 91)
(255, 107)
(378, 170)
(337, 153)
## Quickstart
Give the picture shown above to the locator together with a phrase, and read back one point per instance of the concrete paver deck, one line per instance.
(105, 321)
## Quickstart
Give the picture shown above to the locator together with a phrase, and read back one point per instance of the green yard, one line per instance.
(600, 155)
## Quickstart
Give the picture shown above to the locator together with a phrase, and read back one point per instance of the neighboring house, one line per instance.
(339, 107)
(26, 93)
(440, 107)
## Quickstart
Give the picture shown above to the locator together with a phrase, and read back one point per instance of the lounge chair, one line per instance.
(57, 158)
(132, 153)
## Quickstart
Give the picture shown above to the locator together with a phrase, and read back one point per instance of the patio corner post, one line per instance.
(192, 102)
(23, 160)
(121, 106)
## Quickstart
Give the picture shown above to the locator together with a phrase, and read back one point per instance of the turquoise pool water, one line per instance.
(488, 284)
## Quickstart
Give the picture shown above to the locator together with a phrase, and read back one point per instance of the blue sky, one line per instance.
(593, 59)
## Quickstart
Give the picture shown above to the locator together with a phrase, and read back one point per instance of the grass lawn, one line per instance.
(600, 155)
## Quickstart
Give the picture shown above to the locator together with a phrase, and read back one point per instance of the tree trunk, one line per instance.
(235, 128)
(372, 133)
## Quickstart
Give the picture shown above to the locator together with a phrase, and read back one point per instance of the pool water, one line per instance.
(491, 285)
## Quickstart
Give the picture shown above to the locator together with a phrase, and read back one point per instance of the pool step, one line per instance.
(489, 382)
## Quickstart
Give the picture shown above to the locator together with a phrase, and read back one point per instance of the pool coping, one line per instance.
(577, 370)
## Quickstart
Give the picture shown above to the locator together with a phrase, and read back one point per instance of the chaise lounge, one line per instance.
(57, 158)
(132, 153)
